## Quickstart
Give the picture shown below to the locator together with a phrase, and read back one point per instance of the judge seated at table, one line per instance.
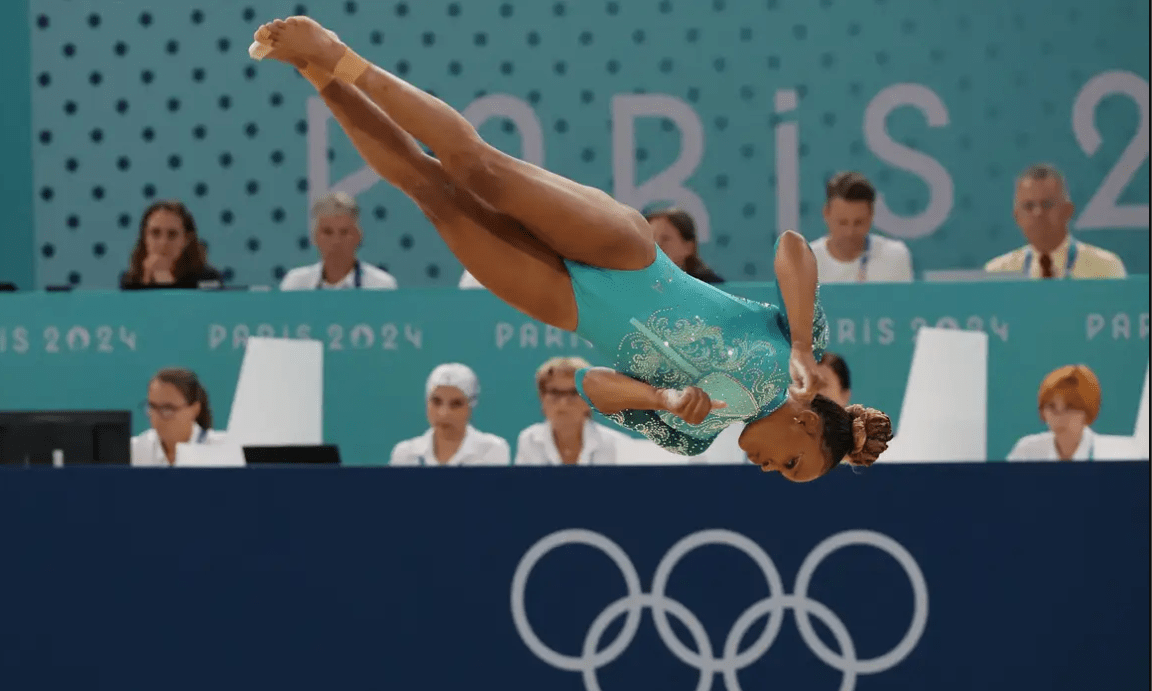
(178, 408)
(1069, 401)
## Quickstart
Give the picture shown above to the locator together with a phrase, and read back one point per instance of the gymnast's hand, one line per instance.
(806, 377)
(691, 405)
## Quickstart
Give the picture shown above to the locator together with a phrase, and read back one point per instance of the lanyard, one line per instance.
(862, 273)
(202, 436)
(357, 276)
(1073, 250)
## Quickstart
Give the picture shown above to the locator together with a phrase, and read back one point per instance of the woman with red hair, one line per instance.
(1069, 401)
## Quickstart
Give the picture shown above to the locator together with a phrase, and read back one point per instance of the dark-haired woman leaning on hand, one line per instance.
(168, 252)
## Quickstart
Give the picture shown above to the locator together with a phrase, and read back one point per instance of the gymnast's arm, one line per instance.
(610, 392)
(796, 277)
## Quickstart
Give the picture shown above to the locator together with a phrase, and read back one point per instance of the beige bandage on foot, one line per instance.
(350, 67)
(319, 77)
(260, 48)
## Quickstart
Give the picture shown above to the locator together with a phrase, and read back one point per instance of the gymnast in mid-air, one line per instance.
(689, 359)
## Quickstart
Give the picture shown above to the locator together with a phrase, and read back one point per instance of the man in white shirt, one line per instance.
(1043, 209)
(337, 235)
(851, 252)
(451, 393)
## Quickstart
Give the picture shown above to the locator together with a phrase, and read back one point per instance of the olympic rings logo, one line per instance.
(731, 660)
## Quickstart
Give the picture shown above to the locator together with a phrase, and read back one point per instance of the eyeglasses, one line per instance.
(560, 394)
(1045, 205)
(162, 411)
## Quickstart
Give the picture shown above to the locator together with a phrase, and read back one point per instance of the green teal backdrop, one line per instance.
(738, 111)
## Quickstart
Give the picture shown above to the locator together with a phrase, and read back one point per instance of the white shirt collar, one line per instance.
(1084, 451)
(592, 443)
(158, 455)
(348, 281)
(467, 447)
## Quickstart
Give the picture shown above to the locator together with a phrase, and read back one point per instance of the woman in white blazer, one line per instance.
(179, 411)
(1069, 401)
(567, 436)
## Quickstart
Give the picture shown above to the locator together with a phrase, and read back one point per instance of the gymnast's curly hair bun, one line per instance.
(871, 432)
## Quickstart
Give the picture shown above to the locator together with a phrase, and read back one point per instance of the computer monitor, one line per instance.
(80, 437)
(301, 454)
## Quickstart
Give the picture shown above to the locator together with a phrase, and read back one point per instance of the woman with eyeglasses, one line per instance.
(568, 436)
(178, 409)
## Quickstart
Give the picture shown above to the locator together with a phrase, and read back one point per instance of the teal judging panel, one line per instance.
(98, 349)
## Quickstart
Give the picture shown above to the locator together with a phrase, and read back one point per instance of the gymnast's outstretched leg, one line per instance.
(513, 264)
(579, 223)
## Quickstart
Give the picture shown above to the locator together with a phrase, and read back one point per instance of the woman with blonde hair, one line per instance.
(568, 436)
(1068, 401)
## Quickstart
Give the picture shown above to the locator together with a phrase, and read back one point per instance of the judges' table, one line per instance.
(98, 349)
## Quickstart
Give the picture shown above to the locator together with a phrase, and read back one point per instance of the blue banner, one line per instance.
(995, 577)
(98, 349)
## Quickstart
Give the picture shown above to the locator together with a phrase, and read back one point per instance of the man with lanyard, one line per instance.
(337, 235)
(1043, 210)
(851, 252)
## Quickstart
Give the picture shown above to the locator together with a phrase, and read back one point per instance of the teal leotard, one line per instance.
(665, 328)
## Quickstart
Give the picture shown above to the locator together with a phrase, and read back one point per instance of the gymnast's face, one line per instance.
(337, 237)
(449, 410)
(788, 441)
(848, 221)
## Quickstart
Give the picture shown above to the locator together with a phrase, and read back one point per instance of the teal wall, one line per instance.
(756, 102)
(17, 230)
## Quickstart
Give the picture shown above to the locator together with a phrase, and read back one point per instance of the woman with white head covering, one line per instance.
(450, 394)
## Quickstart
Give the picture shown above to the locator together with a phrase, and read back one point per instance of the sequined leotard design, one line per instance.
(665, 328)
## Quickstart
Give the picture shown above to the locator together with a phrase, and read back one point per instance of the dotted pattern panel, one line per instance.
(143, 100)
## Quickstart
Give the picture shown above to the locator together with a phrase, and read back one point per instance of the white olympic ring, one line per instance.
(732, 660)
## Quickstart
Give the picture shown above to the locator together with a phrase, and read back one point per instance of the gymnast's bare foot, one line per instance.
(304, 38)
(288, 57)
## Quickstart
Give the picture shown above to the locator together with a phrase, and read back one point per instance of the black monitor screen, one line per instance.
(323, 454)
(79, 437)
